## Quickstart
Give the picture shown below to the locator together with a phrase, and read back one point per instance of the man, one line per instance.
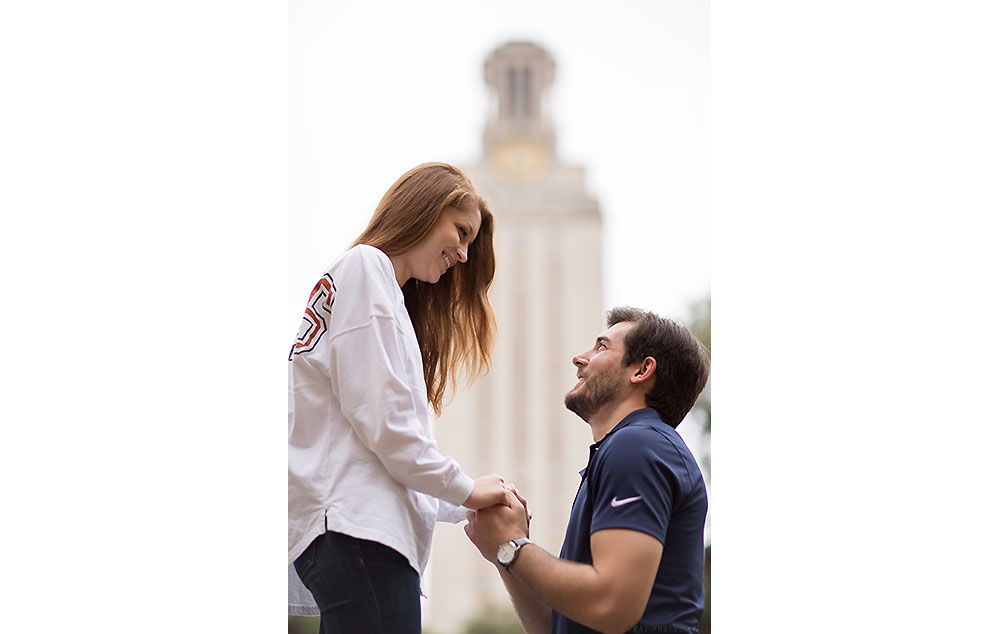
(633, 552)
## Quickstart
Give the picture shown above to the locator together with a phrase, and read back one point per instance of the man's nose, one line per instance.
(579, 360)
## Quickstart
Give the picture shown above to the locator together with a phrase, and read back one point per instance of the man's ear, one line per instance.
(643, 371)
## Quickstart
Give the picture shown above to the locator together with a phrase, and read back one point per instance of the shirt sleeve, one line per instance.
(451, 513)
(633, 484)
(369, 372)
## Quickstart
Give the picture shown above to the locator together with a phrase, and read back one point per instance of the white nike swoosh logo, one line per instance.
(616, 502)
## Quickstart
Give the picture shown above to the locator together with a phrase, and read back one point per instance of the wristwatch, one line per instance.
(507, 552)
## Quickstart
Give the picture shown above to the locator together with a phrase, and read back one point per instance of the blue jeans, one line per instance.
(360, 586)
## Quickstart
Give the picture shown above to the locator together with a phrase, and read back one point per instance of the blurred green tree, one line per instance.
(705, 625)
(303, 624)
(701, 326)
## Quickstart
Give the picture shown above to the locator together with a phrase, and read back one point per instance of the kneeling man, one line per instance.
(633, 554)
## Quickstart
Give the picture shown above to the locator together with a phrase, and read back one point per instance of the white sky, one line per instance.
(378, 87)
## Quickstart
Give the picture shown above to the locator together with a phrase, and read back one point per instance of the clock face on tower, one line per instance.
(520, 159)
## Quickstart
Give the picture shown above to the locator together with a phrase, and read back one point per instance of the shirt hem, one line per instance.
(303, 610)
(375, 536)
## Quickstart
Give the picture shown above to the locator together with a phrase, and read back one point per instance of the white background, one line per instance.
(144, 251)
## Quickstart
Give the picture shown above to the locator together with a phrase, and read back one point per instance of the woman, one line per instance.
(386, 330)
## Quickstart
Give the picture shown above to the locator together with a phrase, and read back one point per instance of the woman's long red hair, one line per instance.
(452, 318)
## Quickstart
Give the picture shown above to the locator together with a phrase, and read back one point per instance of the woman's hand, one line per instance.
(488, 490)
(490, 527)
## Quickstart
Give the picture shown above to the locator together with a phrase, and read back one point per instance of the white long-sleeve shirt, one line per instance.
(361, 460)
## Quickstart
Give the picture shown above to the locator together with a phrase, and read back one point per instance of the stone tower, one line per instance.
(548, 301)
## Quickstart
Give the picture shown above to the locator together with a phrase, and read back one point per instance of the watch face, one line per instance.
(505, 554)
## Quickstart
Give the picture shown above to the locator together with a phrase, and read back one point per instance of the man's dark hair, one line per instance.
(682, 361)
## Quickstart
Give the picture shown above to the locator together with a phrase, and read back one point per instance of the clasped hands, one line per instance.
(493, 525)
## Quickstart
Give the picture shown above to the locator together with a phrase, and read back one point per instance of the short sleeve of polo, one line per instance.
(632, 483)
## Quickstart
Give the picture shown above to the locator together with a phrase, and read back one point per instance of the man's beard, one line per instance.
(599, 389)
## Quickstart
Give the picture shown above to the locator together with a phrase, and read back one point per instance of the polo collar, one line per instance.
(646, 414)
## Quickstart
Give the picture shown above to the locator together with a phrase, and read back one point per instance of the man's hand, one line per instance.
(490, 527)
(524, 503)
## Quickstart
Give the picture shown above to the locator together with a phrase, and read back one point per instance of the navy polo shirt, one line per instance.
(642, 477)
